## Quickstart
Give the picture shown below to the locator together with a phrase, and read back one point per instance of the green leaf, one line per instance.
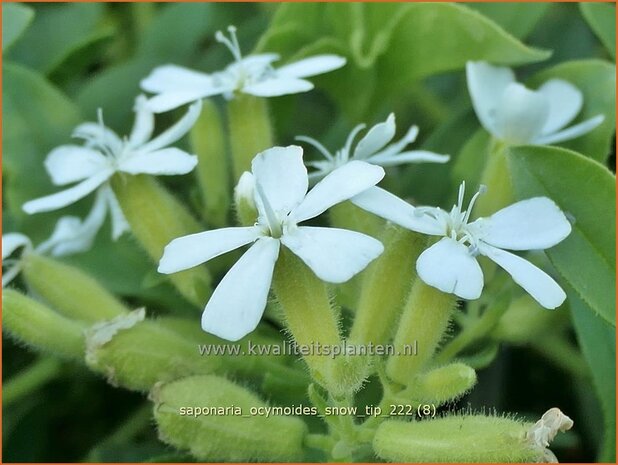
(586, 191)
(596, 79)
(601, 18)
(59, 31)
(378, 40)
(37, 117)
(597, 340)
(15, 20)
(517, 18)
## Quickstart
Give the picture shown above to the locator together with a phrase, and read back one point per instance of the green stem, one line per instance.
(134, 424)
(496, 176)
(142, 14)
(208, 142)
(250, 130)
(474, 332)
(424, 322)
(30, 380)
(308, 314)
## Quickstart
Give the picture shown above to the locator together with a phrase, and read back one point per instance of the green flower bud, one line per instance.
(156, 218)
(309, 316)
(217, 420)
(457, 439)
(246, 210)
(423, 323)
(385, 284)
(40, 327)
(443, 384)
(250, 130)
(208, 142)
(136, 353)
(69, 290)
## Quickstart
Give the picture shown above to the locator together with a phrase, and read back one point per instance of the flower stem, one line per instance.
(474, 332)
(208, 142)
(156, 218)
(250, 130)
(30, 380)
(309, 315)
(497, 178)
(425, 319)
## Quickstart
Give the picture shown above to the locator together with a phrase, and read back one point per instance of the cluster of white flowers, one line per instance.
(278, 186)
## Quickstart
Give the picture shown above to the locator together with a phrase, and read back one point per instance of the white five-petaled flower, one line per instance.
(372, 148)
(517, 115)
(254, 74)
(105, 153)
(282, 201)
(451, 264)
(71, 235)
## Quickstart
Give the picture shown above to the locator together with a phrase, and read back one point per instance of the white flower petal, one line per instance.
(282, 176)
(72, 163)
(192, 250)
(486, 83)
(521, 115)
(449, 267)
(341, 184)
(571, 132)
(312, 66)
(144, 122)
(276, 86)
(72, 235)
(565, 102)
(413, 156)
(238, 302)
(173, 99)
(168, 78)
(169, 161)
(120, 225)
(96, 133)
(13, 241)
(535, 281)
(68, 196)
(531, 224)
(175, 132)
(392, 208)
(376, 138)
(334, 255)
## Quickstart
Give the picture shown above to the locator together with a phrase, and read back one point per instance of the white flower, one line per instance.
(512, 113)
(282, 200)
(253, 75)
(451, 264)
(105, 153)
(372, 148)
(70, 236)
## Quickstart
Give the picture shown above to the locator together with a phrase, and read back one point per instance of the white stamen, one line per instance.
(317, 145)
(231, 43)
